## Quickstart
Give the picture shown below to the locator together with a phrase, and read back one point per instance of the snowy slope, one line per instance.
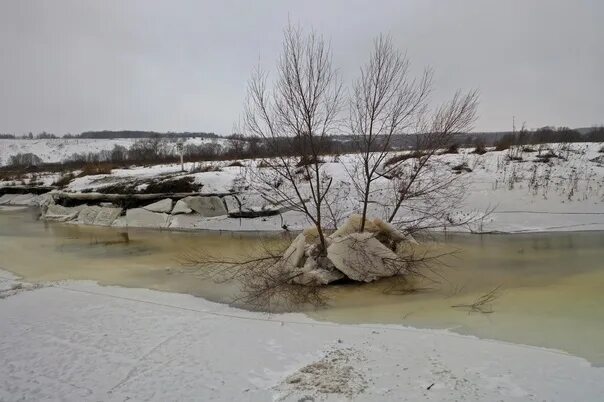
(57, 150)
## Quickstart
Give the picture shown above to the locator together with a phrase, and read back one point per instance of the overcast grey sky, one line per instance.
(70, 66)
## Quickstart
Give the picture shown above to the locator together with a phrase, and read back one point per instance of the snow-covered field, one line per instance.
(59, 149)
(80, 341)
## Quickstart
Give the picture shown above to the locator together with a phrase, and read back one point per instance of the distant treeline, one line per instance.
(113, 134)
(400, 141)
(496, 139)
(545, 135)
(155, 149)
(141, 134)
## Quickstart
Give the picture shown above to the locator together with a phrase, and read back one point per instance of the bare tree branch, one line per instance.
(385, 101)
(294, 118)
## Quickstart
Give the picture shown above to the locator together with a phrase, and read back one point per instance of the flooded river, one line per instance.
(549, 286)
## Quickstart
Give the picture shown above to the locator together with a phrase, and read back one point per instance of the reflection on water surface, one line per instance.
(551, 284)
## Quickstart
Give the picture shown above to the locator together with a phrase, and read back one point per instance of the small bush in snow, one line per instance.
(463, 167)
(308, 160)
(96, 168)
(202, 168)
(503, 144)
(64, 180)
(453, 149)
(403, 157)
(24, 160)
(480, 149)
(182, 185)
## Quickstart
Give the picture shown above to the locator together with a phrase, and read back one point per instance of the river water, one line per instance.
(549, 286)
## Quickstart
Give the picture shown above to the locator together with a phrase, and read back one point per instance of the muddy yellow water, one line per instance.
(547, 289)
(39, 251)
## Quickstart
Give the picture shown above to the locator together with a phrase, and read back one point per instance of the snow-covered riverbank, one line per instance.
(80, 341)
(527, 190)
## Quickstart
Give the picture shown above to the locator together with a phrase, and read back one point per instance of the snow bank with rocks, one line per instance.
(162, 214)
(20, 199)
(80, 341)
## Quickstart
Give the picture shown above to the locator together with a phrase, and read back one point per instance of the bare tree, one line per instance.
(422, 183)
(294, 116)
(237, 145)
(385, 101)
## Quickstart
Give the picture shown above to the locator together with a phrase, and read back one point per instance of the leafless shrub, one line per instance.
(515, 153)
(264, 284)
(26, 160)
(475, 222)
(64, 180)
(573, 184)
(421, 271)
(205, 167)
(528, 149)
(480, 149)
(534, 182)
(34, 180)
(148, 150)
(205, 152)
(402, 157)
(6, 176)
(155, 186)
(403, 285)
(452, 149)
(95, 169)
(308, 160)
(514, 157)
(462, 167)
(504, 143)
(179, 185)
(545, 157)
(513, 177)
(483, 304)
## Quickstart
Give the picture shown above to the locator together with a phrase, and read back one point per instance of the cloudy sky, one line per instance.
(71, 66)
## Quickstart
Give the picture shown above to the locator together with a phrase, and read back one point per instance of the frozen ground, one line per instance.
(78, 341)
(526, 194)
